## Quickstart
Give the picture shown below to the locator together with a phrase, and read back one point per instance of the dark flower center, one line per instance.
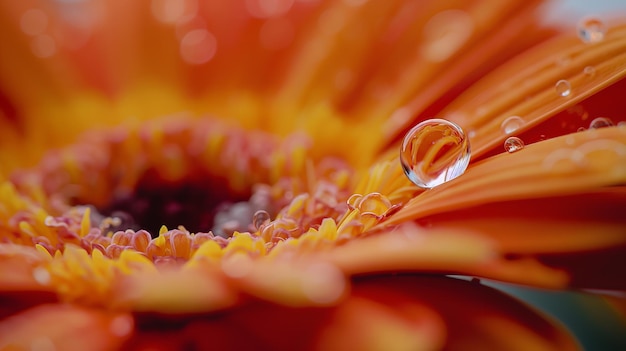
(195, 204)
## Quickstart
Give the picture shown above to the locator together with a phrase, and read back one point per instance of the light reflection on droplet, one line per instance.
(511, 124)
(600, 122)
(589, 70)
(276, 33)
(591, 30)
(34, 22)
(43, 46)
(434, 152)
(563, 87)
(268, 8)
(513, 144)
(198, 47)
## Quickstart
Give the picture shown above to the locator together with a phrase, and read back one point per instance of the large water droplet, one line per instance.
(600, 122)
(513, 144)
(591, 30)
(563, 87)
(434, 152)
(511, 124)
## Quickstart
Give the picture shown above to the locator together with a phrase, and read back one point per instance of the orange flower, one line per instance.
(195, 175)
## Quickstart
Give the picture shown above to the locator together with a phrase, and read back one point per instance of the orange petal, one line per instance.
(65, 327)
(483, 319)
(570, 164)
(446, 251)
(530, 91)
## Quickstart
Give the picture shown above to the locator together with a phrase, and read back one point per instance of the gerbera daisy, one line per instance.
(227, 175)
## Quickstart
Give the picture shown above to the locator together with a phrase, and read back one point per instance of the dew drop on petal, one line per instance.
(511, 124)
(198, 46)
(513, 144)
(121, 326)
(434, 152)
(34, 22)
(260, 219)
(563, 87)
(581, 129)
(41, 275)
(591, 30)
(600, 122)
(589, 70)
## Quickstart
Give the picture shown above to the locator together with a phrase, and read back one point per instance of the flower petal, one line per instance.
(570, 164)
(65, 327)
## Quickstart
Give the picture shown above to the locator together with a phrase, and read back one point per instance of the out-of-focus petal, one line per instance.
(65, 327)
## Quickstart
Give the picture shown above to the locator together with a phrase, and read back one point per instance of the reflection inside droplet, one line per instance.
(513, 144)
(434, 152)
(591, 30)
(600, 122)
(511, 124)
(563, 87)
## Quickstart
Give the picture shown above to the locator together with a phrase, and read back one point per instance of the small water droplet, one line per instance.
(198, 47)
(121, 325)
(513, 144)
(581, 129)
(563, 87)
(600, 122)
(41, 275)
(621, 124)
(34, 22)
(434, 152)
(589, 70)
(591, 30)
(511, 124)
(260, 219)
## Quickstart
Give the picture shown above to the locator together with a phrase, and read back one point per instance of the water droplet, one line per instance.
(513, 144)
(260, 219)
(121, 325)
(41, 275)
(511, 124)
(43, 46)
(600, 122)
(622, 124)
(591, 30)
(589, 70)
(34, 22)
(581, 129)
(198, 47)
(434, 152)
(563, 87)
